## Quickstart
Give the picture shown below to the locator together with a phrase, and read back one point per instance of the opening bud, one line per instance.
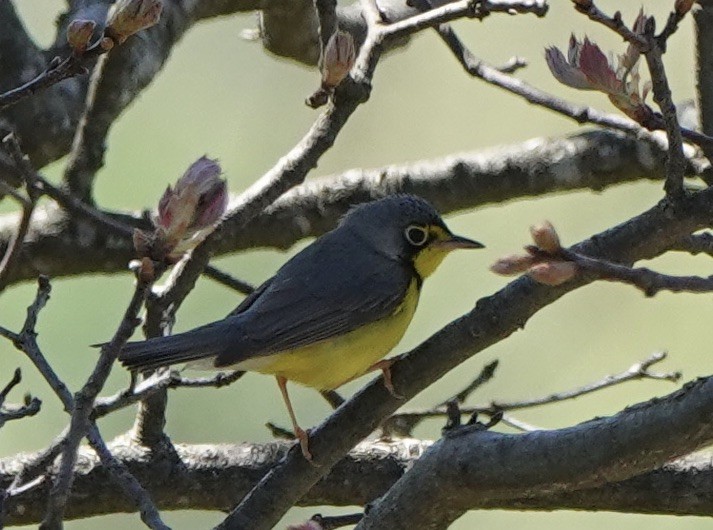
(337, 59)
(513, 264)
(553, 272)
(79, 33)
(545, 237)
(127, 17)
(190, 211)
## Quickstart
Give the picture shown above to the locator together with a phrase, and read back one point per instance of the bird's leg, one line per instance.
(385, 366)
(300, 433)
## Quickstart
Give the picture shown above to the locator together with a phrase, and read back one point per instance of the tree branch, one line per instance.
(703, 23)
(405, 421)
(470, 463)
(29, 408)
(591, 160)
(27, 202)
(211, 477)
(80, 423)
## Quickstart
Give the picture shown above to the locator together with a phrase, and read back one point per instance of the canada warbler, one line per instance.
(331, 313)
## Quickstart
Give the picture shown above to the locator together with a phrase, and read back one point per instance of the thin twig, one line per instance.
(635, 372)
(456, 10)
(14, 249)
(83, 406)
(160, 381)
(30, 408)
(279, 432)
(402, 425)
(696, 244)
(649, 281)
(485, 375)
(579, 113)
(372, 13)
(336, 521)
(132, 488)
(89, 143)
(495, 76)
(26, 341)
(674, 19)
(332, 397)
(512, 65)
(227, 280)
(520, 425)
(57, 70)
(547, 262)
(16, 379)
(616, 24)
(652, 47)
(676, 161)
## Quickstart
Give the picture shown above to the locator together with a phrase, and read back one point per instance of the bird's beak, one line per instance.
(454, 242)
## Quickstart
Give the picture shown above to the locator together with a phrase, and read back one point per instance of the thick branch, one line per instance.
(592, 160)
(470, 462)
(211, 477)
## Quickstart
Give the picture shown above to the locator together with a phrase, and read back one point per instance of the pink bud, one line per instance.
(127, 17)
(595, 65)
(189, 212)
(553, 272)
(683, 6)
(338, 58)
(512, 265)
(545, 237)
(307, 525)
(79, 33)
(567, 72)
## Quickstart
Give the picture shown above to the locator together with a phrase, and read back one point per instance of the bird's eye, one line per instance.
(416, 235)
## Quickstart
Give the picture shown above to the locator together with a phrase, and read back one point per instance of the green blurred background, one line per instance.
(225, 97)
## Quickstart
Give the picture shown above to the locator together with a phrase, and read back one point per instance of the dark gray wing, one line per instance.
(328, 289)
(250, 299)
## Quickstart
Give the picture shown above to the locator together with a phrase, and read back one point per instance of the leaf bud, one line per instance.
(545, 237)
(553, 272)
(338, 58)
(79, 33)
(512, 265)
(127, 17)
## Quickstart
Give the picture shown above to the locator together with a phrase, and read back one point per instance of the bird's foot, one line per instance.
(385, 367)
(303, 439)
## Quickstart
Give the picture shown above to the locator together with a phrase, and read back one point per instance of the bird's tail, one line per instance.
(200, 343)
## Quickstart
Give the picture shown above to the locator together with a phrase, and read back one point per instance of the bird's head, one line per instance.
(407, 228)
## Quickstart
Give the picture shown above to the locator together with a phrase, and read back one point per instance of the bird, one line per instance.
(331, 313)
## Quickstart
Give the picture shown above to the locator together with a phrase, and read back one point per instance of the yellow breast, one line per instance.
(327, 364)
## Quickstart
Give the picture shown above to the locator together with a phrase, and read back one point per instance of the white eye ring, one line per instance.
(416, 235)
